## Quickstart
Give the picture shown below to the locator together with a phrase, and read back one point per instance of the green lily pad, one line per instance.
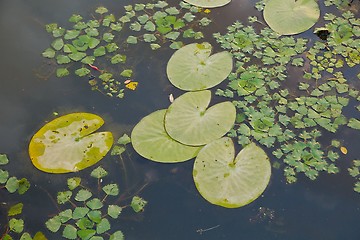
(68, 144)
(188, 120)
(191, 68)
(227, 181)
(288, 17)
(208, 3)
(151, 141)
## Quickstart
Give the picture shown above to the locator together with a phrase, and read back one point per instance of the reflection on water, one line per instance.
(306, 210)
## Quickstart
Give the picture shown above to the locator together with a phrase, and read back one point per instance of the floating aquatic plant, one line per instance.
(194, 61)
(69, 144)
(288, 17)
(89, 214)
(230, 181)
(160, 23)
(354, 171)
(189, 120)
(150, 140)
(96, 48)
(208, 3)
(16, 224)
(274, 116)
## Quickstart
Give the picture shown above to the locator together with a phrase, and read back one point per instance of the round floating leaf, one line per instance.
(68, 144)
(4, 175)
(77, 56)
(82, 72)
(53, 224)
(73, 182)
(95, 216)
(26, 236)
(86, 233)
(24, 185)
(49, 53)
(151, 141)
(16, 209)
(99, 172)
(114, 211)
(62, 72)
(138, 204)
(84, 223)
(39, 236)
(69, 232)
(12, 184)
(227, 181)
(83, 195)
(80, 212)
(16, 225)
(291, 16)
(94, 204)
(65, 215)
(191, 68)
(188, 120)
(111, 189)
(57, 44)
(103, 226)
(118, 58)
(208, 3)
(63, 197)
(118, 235)
(3, 159)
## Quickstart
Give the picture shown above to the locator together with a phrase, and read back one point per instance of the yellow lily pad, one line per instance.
(69, 144)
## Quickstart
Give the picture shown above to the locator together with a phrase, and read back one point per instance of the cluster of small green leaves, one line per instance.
(341, 4)
(271, 115)
(354, 171)
(89, 214)
(85, 43)
(12, 185)
(97, 46)
(341, 46)
(160, 23)
(120, 145)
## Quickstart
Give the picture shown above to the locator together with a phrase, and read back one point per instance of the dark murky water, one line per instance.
(324, 209)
